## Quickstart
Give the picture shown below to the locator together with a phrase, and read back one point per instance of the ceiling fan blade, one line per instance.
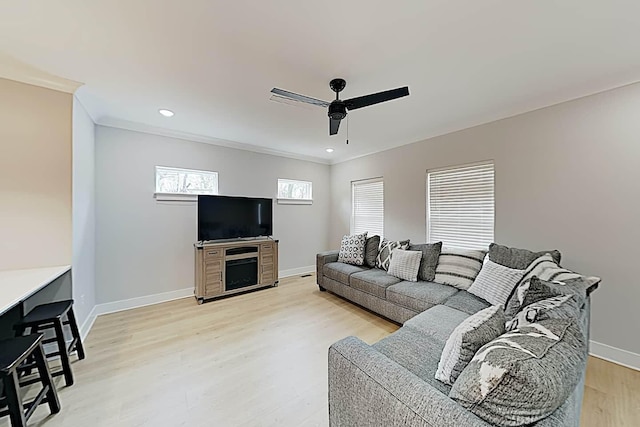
(334, 125)
(376, 98)
(300, 98)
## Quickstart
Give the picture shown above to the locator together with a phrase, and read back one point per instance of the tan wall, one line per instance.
(35, 176)
(567, 177)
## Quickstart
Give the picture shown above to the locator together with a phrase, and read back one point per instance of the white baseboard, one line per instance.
(297, 271)
(88, 323)
(128, 304)
(615, 355)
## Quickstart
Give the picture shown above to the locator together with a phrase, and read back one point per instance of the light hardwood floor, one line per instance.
(258, 359)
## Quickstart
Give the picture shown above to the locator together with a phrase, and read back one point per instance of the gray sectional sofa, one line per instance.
(392, 382)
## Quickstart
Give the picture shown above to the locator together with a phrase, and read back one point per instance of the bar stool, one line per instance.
(13, 352)
(50, 316)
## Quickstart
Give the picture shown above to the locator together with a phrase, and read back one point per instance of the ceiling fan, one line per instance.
(338, 108)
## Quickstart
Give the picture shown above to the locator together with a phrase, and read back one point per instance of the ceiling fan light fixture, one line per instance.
(165, 112)
(329, 150)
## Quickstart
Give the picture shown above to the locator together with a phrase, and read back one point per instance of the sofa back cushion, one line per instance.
(352, 249)
(386, 249)
(523, 376)
(459, 267)
(371, 250)
(429, 262)
(517, 258)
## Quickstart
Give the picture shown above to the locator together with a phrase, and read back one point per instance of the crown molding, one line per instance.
(187, 136)
(13, 69)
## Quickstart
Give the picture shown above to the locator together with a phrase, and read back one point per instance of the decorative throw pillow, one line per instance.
(545, 268)
(517, 258)
(371, 251)
(405, 264)
(352, 249)
(458, 267)
(554, 278)
(386, 248)
(495, 282)
(558, 307)
(465, 340)
(523, 376)
(430, 255)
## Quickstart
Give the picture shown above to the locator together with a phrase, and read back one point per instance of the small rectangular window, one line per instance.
(461, 206)
(184, 184)
(294, 191)
(367, 207)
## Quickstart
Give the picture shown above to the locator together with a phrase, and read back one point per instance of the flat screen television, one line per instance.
(224, 217)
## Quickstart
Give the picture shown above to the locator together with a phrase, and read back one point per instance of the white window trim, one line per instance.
(286, 201)
(363, 181)
(183, 197)
(428, 190)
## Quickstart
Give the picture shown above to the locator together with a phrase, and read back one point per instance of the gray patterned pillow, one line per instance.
(405, 264)
(465, 340)
(352, 249)
(523, 376)
(558, 307)
(430, 255)
(517, 258)
(386, 248)
(371, 251)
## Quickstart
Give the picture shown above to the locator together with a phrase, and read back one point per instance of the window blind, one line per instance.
(461, 206)
(367, 211)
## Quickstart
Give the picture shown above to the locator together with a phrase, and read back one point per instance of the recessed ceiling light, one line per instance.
(329, 150)
(166, 113)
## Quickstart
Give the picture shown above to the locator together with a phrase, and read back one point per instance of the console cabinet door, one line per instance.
(267, 263)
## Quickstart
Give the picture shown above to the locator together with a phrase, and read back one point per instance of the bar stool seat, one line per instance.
(50, 316)
(13, 352)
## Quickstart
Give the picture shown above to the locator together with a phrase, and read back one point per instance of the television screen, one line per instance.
(223, 217)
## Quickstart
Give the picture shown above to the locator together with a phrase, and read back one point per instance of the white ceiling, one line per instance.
(214, 62)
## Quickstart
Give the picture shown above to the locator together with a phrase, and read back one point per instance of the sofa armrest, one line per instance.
(366, 388)
(324, 258)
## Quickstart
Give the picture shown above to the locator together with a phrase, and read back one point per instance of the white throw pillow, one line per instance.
(466, 339)
(495, 282)
(405, 264)
(352, 249)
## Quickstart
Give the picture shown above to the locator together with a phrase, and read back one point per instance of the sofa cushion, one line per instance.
(416, 352)
(517, 258)
(386, 252)
(419, 296)
(340, 271)
(374, 282)
(495, 282)
(545, 268)
(429, 262)
(525, 375)
(439, 322)
(405, 264)
(466, 302)
(474, 332)
(352, 249)
(371, 251)
(459, 267)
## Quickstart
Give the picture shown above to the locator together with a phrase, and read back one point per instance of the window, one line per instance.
(184, 184)
(295, 192)
(367, 209)
(460, 206)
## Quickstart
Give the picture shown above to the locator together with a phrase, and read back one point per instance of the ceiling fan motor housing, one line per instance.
(337, 110)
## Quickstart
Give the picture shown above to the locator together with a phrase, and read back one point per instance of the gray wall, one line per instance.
(567, 177)
(84, 214)
(145, 247)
